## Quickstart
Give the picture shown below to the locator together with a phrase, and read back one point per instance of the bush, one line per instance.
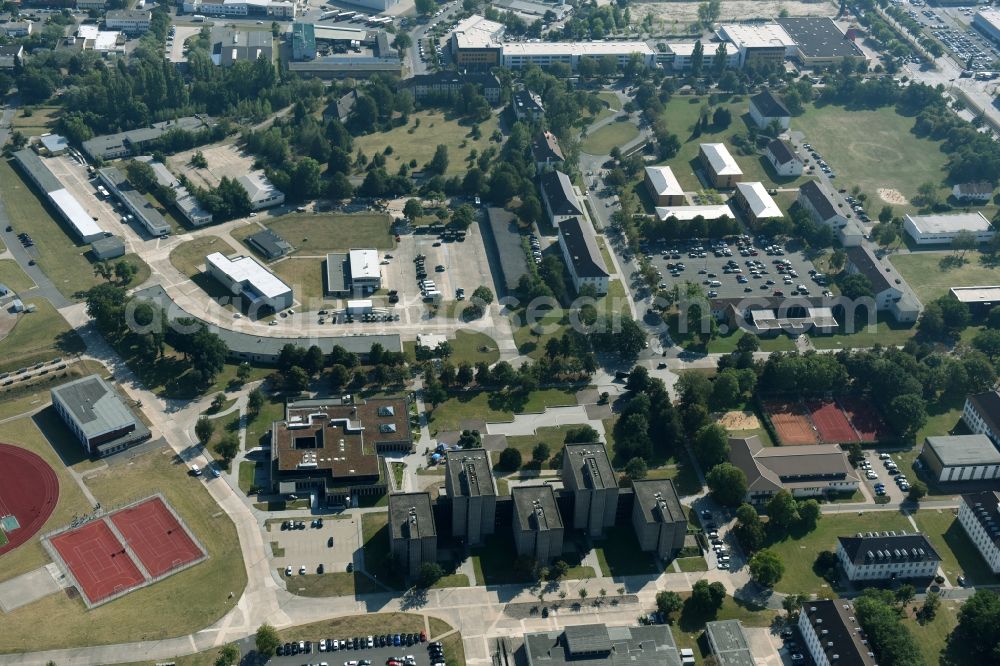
(510, 459)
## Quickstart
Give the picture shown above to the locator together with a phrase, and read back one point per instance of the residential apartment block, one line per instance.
(658, 518)
(832, 634)
(412, 534)
(982, 414)
(537, 525)
(979, 516)
(470, 486)
(588, 474)
(887, 556)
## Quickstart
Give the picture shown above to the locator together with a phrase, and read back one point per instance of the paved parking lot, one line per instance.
(704, 270)
(885, 477)
(81, 185)
(465, 265)
(308, 547)
(377, 656)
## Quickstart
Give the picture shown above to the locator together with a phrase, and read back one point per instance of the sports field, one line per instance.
(157, 537)
(932, 274)
(831, 423)
(873, 149)
(315, 234)
(29, 492)
(791, 423)
(866, 421)
(98, 561)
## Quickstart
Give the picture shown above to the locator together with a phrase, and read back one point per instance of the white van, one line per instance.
(195, 470)
(714, 283)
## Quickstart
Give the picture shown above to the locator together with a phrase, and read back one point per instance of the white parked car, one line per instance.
(871, 474)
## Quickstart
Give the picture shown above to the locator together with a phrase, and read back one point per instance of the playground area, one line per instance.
(113, 554)
(29, 491)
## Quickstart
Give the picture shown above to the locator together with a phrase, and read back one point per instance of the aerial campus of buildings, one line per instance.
(503, 332)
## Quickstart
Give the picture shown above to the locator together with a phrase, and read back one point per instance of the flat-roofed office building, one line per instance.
(412, 534)
(588, 474)
(537, 525)
(473, 494)
(658, 517)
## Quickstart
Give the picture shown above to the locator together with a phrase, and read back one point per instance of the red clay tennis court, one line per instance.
(156, 537)
(791, 422)
(97, 560)
(29, 491)
(831, 423)
(865, 419)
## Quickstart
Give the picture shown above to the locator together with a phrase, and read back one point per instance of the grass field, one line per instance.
(185, 602)
(958, 554)
(434, 130)
(38, 336)
(41, 120)
(602, 140)
(375, 531)
(317, 234)
(12, 276)
(799, 552)
(494, 407)
(339, 584)
(468, 347)
(682, 113)
(887, 332)
(64, 262)
(931, 278)
(692, 564)
(873, 149)
(248, 471)
(532, 336)
(189, 256)
(932, 637)
(258, 427)
(305, 277)
(30, 555)
(553, 436)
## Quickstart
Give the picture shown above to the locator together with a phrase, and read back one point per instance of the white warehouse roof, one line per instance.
(760, 202)
(756, 35)
(246, 269)
(364, 264)
(722, 162)
(685, 213)
(953, 222)
(663, 180)
(84, 225)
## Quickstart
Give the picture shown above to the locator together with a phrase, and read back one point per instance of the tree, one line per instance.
(339, 187)
(430, 573)
(906, 414)
(928, 611)
(636, 469)
(964, 241)
(125, 271)
(412, 209)
(402, 41)
(510, 459)
(782, 511)
(203, 430)
(697, 55)
(856, 286)
(267, 641)
(905, 594)
(711, 445)
(706, 599)
(228, 447)
(749, 529)
(728, 484)
(792, 603)
(668, 602)
(978, 627)
(540, 453)
(809, 514)
(439, 163)
(928, 196)
(425, 7)
(918, 490)
(483, 294)
(766, 568)
(229, 655)
(218, 401)
(722, 118)
(243, 372)
(255, 401)
(725, 390)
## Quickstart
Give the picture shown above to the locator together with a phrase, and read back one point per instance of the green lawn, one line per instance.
(799, 552)
(958, 554)
(260, 425)
(410, 142)
(38, 336)
(378, 556)
(616, 133)
(63, 260)
(692, 564)
(248, 471)
(619, 555)
(930, 277)
(12, 275)
(305, 277)
(873, 149)
(727, 343)
(180, 604)
(316, 234)
(682, 113)
(189, 256)
(553, 436)
(472, 347)
(33, 121)
(494, 407)
(452, 580)
(932, 637)
(337, 584)
(533, 333)
(887, 333)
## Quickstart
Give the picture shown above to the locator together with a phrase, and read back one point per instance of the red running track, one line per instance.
(157, 539)
(29, 490)
(831, 422)
(98, 561)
